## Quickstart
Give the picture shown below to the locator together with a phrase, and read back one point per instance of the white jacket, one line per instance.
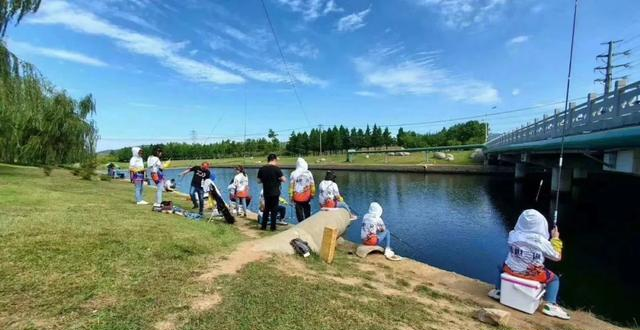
(136, 163)
(301, 179)
(155, 164)
(328, 190)
(529, 242)
(240, 182)
(372, 221)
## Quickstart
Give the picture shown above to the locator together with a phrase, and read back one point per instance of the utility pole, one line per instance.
(609, 58)
(194, 136)
(320, 126)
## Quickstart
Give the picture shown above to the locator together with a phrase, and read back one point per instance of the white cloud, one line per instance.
(65, 55)
(515, 92)
(366, 93)
(280, 76)
(166, 52)
(312, 9)
(517, 40)
(461, 14)
(420, 74)
(353, 22)
(135, 20)
(331, 7)
(303, 49)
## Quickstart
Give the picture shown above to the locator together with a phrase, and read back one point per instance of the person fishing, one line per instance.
(170, 185)
(302, 189)
(329, 195)
(111, 170)
(136, 173)
(374, 231)
(271, 177)
(529, 245)
(155, 169)
(281, 210)
(200, 174)
(241, 189)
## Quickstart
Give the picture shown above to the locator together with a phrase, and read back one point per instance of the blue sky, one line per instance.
(160, 69)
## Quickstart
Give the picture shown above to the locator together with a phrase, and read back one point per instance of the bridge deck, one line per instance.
(626, 137)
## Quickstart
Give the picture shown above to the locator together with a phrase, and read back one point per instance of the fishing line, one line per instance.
(412, 249)
(565, 121)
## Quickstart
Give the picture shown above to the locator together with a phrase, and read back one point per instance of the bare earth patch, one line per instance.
(206, 302)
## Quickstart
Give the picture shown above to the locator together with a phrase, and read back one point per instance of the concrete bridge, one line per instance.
(602, 134)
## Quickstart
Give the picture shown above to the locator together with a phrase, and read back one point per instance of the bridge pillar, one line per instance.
(580, 173)
(521, 170)
(562, 182)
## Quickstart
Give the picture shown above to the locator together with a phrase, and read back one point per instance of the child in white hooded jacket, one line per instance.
(374, 231)
(529, 245)
(302, 189)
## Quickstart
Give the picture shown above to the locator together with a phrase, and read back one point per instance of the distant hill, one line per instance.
(105, 152)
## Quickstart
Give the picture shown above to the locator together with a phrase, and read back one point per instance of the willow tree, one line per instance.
(14, 10)
(39, 124)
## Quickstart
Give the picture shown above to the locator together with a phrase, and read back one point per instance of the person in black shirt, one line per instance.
(200, 173)
(270, 176)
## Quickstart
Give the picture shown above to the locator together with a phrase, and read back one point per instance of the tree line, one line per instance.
(338, 139)
(334, 140)
(39, 124)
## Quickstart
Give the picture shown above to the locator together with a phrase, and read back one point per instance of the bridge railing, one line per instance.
(618, 108)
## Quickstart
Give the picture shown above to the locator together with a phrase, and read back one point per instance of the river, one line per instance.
(460, 223)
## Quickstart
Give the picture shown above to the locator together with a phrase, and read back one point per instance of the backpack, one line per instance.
(300, 247)
(167, 206)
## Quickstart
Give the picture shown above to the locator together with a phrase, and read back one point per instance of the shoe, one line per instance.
(194, 207)
(156, 205)
(390, 255)
(554, 310)
(494, 293)
(142, 203)
(353, 218)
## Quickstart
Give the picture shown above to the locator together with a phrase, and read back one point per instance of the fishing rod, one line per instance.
(412, 248)
(566, 109)
(539, 188)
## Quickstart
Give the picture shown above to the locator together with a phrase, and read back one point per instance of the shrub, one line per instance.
(88, 169)
(104, 177)
(47, 169)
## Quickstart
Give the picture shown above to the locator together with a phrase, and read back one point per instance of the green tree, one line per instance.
(387, 139)
(15, 10)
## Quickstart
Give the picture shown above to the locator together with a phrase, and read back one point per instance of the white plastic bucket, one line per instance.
(521, 294)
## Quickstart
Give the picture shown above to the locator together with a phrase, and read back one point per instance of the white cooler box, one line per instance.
(521, 294)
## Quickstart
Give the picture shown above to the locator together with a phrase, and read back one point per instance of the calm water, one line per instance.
(460, 223)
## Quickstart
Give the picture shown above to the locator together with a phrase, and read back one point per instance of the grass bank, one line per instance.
(375, 159)
(80, 254)
(77, 254)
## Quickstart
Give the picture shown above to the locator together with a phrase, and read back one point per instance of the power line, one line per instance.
(479, 116)
(631, 38)
(284, 61)
(490, 114)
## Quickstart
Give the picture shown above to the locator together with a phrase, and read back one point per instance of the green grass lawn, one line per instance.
(381, 159)
(80, 254)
